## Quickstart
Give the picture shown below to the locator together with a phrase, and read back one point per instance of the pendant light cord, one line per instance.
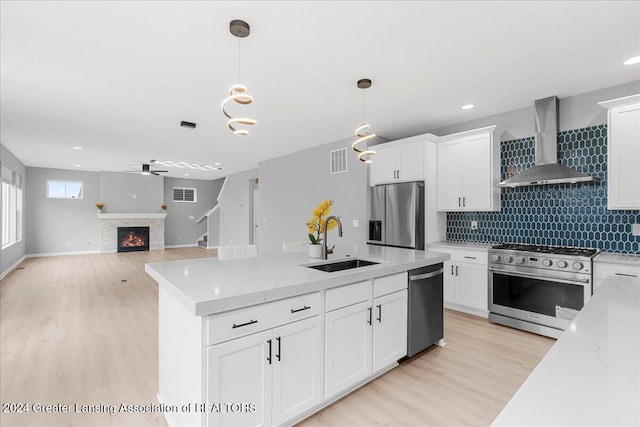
(239, 57)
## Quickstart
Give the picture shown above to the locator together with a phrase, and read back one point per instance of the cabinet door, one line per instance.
(449, 282)
(239, 371)
(473, 286)
(449, 177)
(297, 369)
(386, 160)
(411, 166)
(476, 173)
(347, 347)
(624, 158)
(389, 329)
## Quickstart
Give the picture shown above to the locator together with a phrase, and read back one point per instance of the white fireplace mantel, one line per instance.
(131, 215)
(109, 223)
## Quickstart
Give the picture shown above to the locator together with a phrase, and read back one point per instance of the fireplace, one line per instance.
(133, 239)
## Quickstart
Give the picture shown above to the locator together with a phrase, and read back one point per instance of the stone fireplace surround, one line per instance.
(109, 223)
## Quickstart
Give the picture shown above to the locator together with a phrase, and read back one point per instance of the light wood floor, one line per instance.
(83, 329)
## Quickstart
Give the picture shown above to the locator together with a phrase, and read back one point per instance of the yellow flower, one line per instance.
(316, 224)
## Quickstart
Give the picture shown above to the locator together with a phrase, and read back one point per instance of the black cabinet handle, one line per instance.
(269, 357)
(470, 257)
(279, 352)
(464, 201)
(459, 204)
(306, 307)
(250, 322)
(452, 269)
(369, 321)
(456, 270)
(379, 319)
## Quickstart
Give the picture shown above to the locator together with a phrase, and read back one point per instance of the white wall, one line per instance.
(292, 186)
(117, 187)
(234, 208)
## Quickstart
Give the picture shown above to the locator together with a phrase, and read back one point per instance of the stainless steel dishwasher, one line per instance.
(425, 315)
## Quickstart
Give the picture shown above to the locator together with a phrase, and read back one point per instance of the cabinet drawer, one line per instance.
(602, 270)
(460, 255)
(388, 284)
(245, 321)
(347, 295)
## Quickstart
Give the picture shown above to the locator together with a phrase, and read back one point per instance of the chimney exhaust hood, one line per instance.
(547, 170)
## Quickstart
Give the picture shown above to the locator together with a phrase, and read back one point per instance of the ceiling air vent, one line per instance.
(338, 161)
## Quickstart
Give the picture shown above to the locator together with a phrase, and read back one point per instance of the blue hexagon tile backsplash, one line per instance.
(558, 215)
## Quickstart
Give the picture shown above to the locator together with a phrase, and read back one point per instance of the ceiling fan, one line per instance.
(147, 171)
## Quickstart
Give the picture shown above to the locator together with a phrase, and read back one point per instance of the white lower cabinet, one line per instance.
(602, 270)
(389, 329)
(366, 336)
(279, 371)
(466, 281)
(347, 347)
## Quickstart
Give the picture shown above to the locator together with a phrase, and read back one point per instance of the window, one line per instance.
(64, 189)
(11, 207)
(184, 194)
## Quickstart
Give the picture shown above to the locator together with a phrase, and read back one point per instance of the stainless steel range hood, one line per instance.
(547, 170)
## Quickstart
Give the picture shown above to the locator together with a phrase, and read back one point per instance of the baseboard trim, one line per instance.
(12, 267)
(45, 254)
(179, 246)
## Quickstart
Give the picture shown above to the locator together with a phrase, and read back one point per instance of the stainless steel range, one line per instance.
(539, 289)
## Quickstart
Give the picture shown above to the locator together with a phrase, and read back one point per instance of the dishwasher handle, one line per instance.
(425, 275)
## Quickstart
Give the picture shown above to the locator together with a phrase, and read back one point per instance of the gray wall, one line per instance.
(15, 252)
(180, 229)
(234, 208)
(51, 223)
(574, 113)
(116, 187)
(292, 186)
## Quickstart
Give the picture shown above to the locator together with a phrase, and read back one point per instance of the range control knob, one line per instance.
(547, 262)
(519, 260)
(495, 257)
(508, 258)
(577, 266)
(562, 264)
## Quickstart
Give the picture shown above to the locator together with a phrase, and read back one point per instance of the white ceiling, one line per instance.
(118, 77)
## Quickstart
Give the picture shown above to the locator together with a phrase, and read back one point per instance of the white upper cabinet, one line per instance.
(399, 161)
(623, 171)
(469, 171)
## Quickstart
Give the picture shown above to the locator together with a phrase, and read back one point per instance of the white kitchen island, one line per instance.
(268, 341)
(591, 376)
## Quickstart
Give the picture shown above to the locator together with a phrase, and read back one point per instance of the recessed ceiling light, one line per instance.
(467, 106)
(77, 166)
(217, 163)
(77, 148)
(631, 61)
(186, 174)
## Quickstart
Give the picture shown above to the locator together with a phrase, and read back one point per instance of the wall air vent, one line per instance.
(338, 161)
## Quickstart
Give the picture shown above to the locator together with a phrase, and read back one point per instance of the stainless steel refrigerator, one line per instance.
(396, 215)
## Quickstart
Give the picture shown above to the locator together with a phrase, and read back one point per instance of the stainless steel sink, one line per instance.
(342, 265)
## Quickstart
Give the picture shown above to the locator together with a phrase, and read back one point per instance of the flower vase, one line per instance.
(315, 251)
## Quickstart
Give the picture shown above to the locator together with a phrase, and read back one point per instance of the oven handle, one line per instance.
(585, 281)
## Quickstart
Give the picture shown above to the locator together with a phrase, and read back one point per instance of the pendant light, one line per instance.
(238, 92)
(364, 154)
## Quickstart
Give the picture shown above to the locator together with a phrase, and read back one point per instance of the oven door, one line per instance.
(537, 299)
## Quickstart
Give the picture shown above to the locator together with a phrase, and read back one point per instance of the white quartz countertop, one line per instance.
(591, 375)
(209, 285)
(616, 258)
(476, 246)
